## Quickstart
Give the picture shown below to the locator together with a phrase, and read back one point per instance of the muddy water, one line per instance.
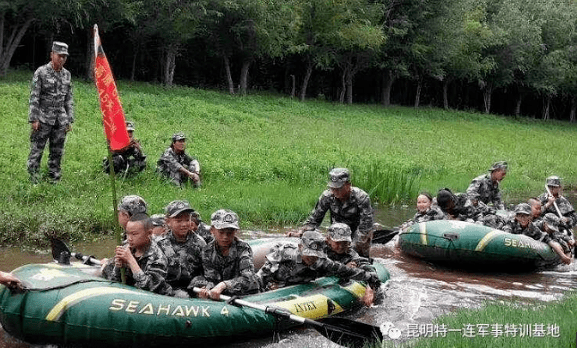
(417, 293)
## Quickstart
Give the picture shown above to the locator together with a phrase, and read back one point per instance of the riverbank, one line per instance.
(264, 156)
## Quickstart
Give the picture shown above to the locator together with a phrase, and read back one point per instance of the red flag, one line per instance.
(112, 113)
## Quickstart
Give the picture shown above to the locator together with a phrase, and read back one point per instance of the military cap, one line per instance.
(523, 208)
(503, 165)
(59, 47)
(553, 181)
(224, 218)
(179, 136)
(133, 204)
(313, 244)
(338, 177)
(175, 208)
(552, 221)
(130, 126)
(158, 220)
(339, 232)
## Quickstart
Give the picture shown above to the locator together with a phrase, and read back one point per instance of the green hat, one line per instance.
(133, 204)
(224, 218)
(179, 136)
(175, 208)
(524, 209)
(338, 177)
(503, 165)
(552, 221)
(59, 47)
(339, 232)
(553, 181)
(158, 220)
(313, 244)
(129, 126)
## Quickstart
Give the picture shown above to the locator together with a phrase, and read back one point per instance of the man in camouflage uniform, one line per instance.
(521, 223)
(176, 165)
(145, 263)
(129, 160)
(129, 206)
(51, 113)
(339, 247)
(550, 225)
(289, 264)
(181, 246)
(484, 189)
(568, 219)
(346, 204)
(227, 261)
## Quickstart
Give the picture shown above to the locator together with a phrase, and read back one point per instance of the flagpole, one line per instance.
(115, 222)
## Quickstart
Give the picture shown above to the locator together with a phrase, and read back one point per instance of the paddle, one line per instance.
(342, 331)
(61, 252)
(383, 236)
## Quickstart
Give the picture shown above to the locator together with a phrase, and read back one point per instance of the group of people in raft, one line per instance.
(177, 254)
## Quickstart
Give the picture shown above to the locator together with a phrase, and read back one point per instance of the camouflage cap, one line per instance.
(224, 218)
(553, 181)
(179, 136)
(59, 47)
(338, 177)
(133, 204)
(129, 126)
(523, 208)
(339, 232)
(313, 244)
(158, 220)
(175, 208)
(552, 221)
(503, 165)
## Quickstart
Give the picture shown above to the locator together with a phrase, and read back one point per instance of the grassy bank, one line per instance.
(265, 156)
(540, 325)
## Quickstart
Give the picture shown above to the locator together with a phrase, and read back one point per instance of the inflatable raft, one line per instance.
(66, 305)
(465, 244)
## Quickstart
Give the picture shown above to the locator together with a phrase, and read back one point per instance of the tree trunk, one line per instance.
(546, 108)
(7, 51)
(488, 97)
(133, 68)
(518, 105)
(89, 55)
(244, 76)
(170, 64)
(228, 73)
(573, 110)
(446, 84)
(417, 93)
(292, 86)
(308, 73)
(388, 80)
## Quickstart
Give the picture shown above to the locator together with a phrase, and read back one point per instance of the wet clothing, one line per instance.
(558, 237)
(356, 212)
(154, 266)
(566, 209)
(532, 231)
(130, 160)
(184, 259)
(483, 189)
(52, 105)
(284, 266)
(170, 163)
(236, 270)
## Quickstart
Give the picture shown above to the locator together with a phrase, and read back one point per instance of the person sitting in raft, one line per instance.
(568, 218)
(536, 207)
(289, 264)
(176, 165)
(560, 242)
(200, 228)
(129, 160)
(521, 223)
(227, 261)
(144, 261)
(455, 207)
(485, 188)
(159, 225)
(129, 206)
(425, 211)
(339, 247)
(182, 247)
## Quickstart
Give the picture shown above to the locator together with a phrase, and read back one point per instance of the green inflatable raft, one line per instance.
(67, 305)
(465, 244)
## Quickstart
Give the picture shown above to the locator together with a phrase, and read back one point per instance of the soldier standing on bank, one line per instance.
(51, 113)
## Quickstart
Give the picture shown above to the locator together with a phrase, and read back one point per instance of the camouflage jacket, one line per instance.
(204, 231)
(154, 266)
(485, 190)
(51, 96)
(356, 211)
(236, 270)
(532, 231)
(350, 255)
(566, 209)
(555, 236)
(171, 162)
(184, 259)
(434, 213)
(284, 266)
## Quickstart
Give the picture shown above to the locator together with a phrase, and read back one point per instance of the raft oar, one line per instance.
(342, 331)
(383, 236)
(60, 250)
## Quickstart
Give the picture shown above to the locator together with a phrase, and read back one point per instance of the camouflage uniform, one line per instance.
(184, 259)
(204, 231)
(285, 266)
(154, 266)
(130, 160)
(170, 163)
(565, 207)
(486, 191)
(236, 270)
(434, 213)
(513, 226)
(555, 234)
(51, 104)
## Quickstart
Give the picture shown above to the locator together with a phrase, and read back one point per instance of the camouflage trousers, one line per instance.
(362, 243)
(178, 178)
(56, 135)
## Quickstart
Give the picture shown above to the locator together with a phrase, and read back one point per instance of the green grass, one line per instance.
(560, 315)
(266, 157)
